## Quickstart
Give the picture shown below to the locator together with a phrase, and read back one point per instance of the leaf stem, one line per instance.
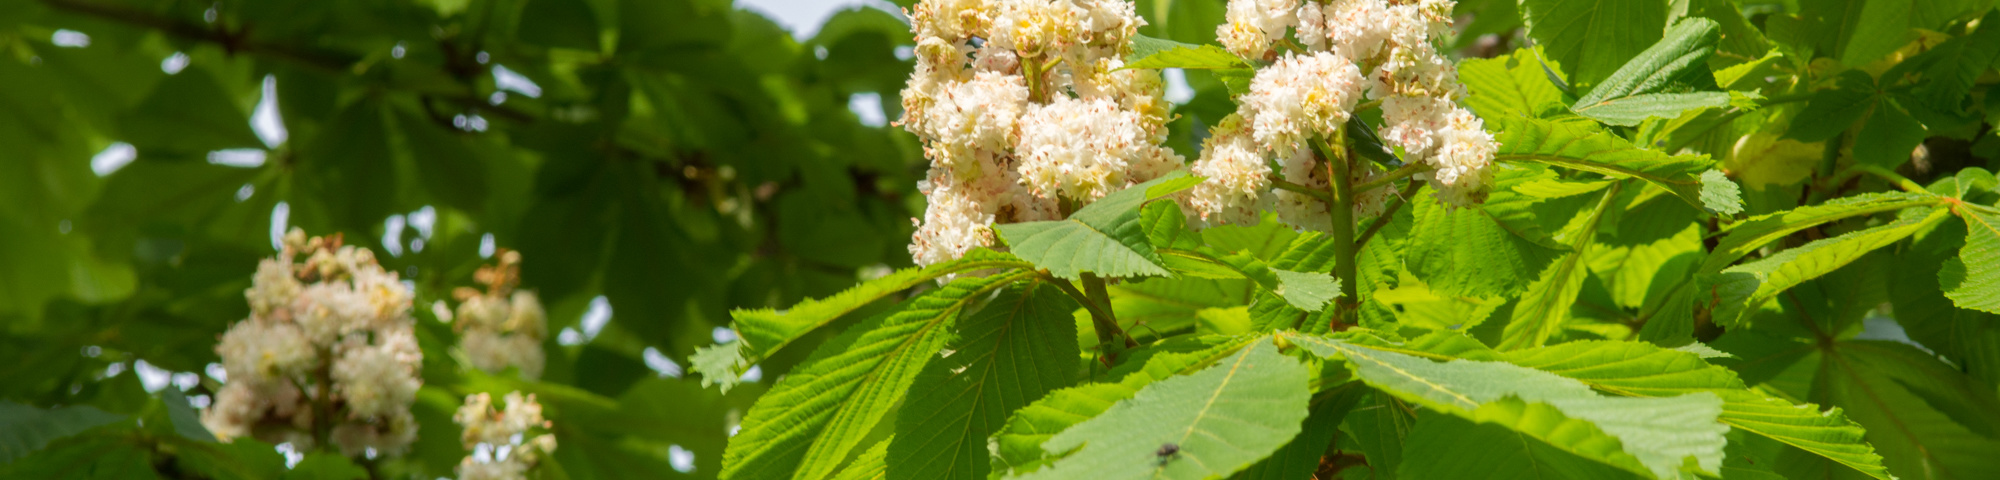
(1098, 302)
(322, 422)
(1388, 214)
(1884, 173)
(1399, 173)
(1280, 182)
(1293, 46)
(1031, 69)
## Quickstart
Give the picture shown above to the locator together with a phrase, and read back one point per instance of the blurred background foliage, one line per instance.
(657, 162)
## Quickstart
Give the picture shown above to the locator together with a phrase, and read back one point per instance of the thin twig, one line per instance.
(1399, 173)
(1280, 182)
(1388, 214)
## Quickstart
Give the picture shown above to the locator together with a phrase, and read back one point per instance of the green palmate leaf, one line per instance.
(1541, 311)
(1148, 52)
(1929, 420)
(1957, 65)
(1972, 281)
(24, 428)
(1218, 421)
(1470, 252)
(1752, 234)
(1660, 432)
(1301, 457)
(1514, 439)
(1107, 237)
(1306, 290)
(1579, 148)
(1741, 40)
(1670, 77)
(1833, 110)
(182, 415)
(1630, 110)
(189, 113)
(1380, 431)
(1718, 192)
(1966, 185)
(763, 331)
(1167, 227)
(1857, 32)
(1653, 246)
(1590, 40)
(871, 465)
(1968, 338)
(1512, 85)
(1889, 135)
(1014, 351)
(1887, 132)
(812, 419)
(1559, 188)
(1164, 306)
(1743, 288)
(1017, 447)
(1640, 369)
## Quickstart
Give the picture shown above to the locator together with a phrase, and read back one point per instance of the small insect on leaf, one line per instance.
(1167, 452)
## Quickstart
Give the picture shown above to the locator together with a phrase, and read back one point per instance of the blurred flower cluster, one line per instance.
(328, 354)
(500, 326)
(499, 438)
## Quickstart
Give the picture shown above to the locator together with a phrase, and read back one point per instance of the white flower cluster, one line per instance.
(1347, 51)
(1024, 113)
(501, 449)
(328, 341)
(501, 327)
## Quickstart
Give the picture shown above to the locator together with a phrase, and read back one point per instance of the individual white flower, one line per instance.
(951, 19)
(1412, 123)
(1141, 91)
(236, 408)
(972, 118)
(274, 286)
(378, 379)
(1299, 97)
(1086, 149)
(327, 310)
(260, 351)
(522, 413)
(953, 224)
(1035, 27)
(1238, 175)
(1463, 160)
(1250, 25)
(1355, 29)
